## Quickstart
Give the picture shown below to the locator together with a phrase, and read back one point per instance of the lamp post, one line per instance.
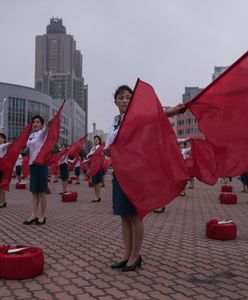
(2, 101)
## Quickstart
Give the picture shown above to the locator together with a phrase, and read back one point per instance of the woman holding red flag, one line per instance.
(96, 178)
(132, 226)
(38, 173)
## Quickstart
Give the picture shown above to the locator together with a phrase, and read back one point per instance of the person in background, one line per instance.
(18, 167)
(244, 180)
(97, 178)
(63, 169)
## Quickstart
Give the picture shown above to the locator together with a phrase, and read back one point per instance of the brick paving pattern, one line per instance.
(80, 241)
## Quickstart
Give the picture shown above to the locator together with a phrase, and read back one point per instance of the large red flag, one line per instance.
(45, 153)
(145, 155)
(222, 110)
(11, 156)
(76, 147)
(96, 161)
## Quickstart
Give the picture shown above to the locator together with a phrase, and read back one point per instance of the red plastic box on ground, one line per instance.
(228, 198)
(20, 186)
(69, 197)
(69, 181)
(221, 230)
(226, 188)
(24, 264)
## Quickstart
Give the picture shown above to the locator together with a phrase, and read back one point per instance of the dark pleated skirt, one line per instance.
(38, 178)
(1, 175)
(18, 170)
(244, 178)
(64, 173)
(96, 179)
(77, 171)
(121, 204)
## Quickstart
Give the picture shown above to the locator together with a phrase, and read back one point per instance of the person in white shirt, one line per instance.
(38, 174)
(97, 178)
(132, 226)
(18, 167)
(3, 149)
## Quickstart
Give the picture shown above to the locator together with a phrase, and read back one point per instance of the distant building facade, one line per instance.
(59, 66)
(186, 123)
(18, 104)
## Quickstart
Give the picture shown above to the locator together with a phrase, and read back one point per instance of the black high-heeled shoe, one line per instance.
(3, 205)
(119, 265)
(29, 222)
(137, 263)
(160, 210)
(41, 222)
(98, 200)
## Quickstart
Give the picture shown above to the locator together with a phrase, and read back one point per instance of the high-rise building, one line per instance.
(58, 66)
(186, 123)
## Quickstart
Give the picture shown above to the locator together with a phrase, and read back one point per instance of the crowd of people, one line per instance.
(132, 225)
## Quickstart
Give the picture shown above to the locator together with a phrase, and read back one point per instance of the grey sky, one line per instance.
(167, 43)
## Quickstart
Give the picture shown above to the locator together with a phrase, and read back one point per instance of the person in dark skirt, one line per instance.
(38, 174)
(244, 180)
(97, 178)
(132, 226)
(18, 168)
(63, 169)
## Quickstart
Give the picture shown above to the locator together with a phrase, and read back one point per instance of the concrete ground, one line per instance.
(80, 241)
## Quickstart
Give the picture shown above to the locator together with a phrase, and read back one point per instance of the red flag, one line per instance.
(204, 161)
(11, 156)
(72, 164)
(25, 166)
(76, 147)
(145, 155)
(106, 163)
(96, 161)
(222, 110)
(84, 165)
(45, 153)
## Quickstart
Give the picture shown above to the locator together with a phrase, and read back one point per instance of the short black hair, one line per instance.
(38, 117)
(3, 136)
(98, 137)
(121, 89)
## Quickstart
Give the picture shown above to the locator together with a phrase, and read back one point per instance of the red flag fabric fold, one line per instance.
(25, 166)
(145, 155)
(96, 161)
(45, 153)
(11, 156)
(222, 110)
(76, 147)
(204, 161)
(72, 164)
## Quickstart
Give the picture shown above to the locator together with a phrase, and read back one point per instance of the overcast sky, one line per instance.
(167, 43)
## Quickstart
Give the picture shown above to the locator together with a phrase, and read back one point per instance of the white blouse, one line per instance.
(114, 129)
(92, 150)
(19, 160)
(3, 149)
(35, 142)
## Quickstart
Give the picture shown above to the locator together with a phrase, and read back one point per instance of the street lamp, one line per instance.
(2, 114)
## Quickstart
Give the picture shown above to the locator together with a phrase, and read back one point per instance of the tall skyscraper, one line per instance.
(58, 65)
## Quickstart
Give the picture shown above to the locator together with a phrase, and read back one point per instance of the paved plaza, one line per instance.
(80, 241)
